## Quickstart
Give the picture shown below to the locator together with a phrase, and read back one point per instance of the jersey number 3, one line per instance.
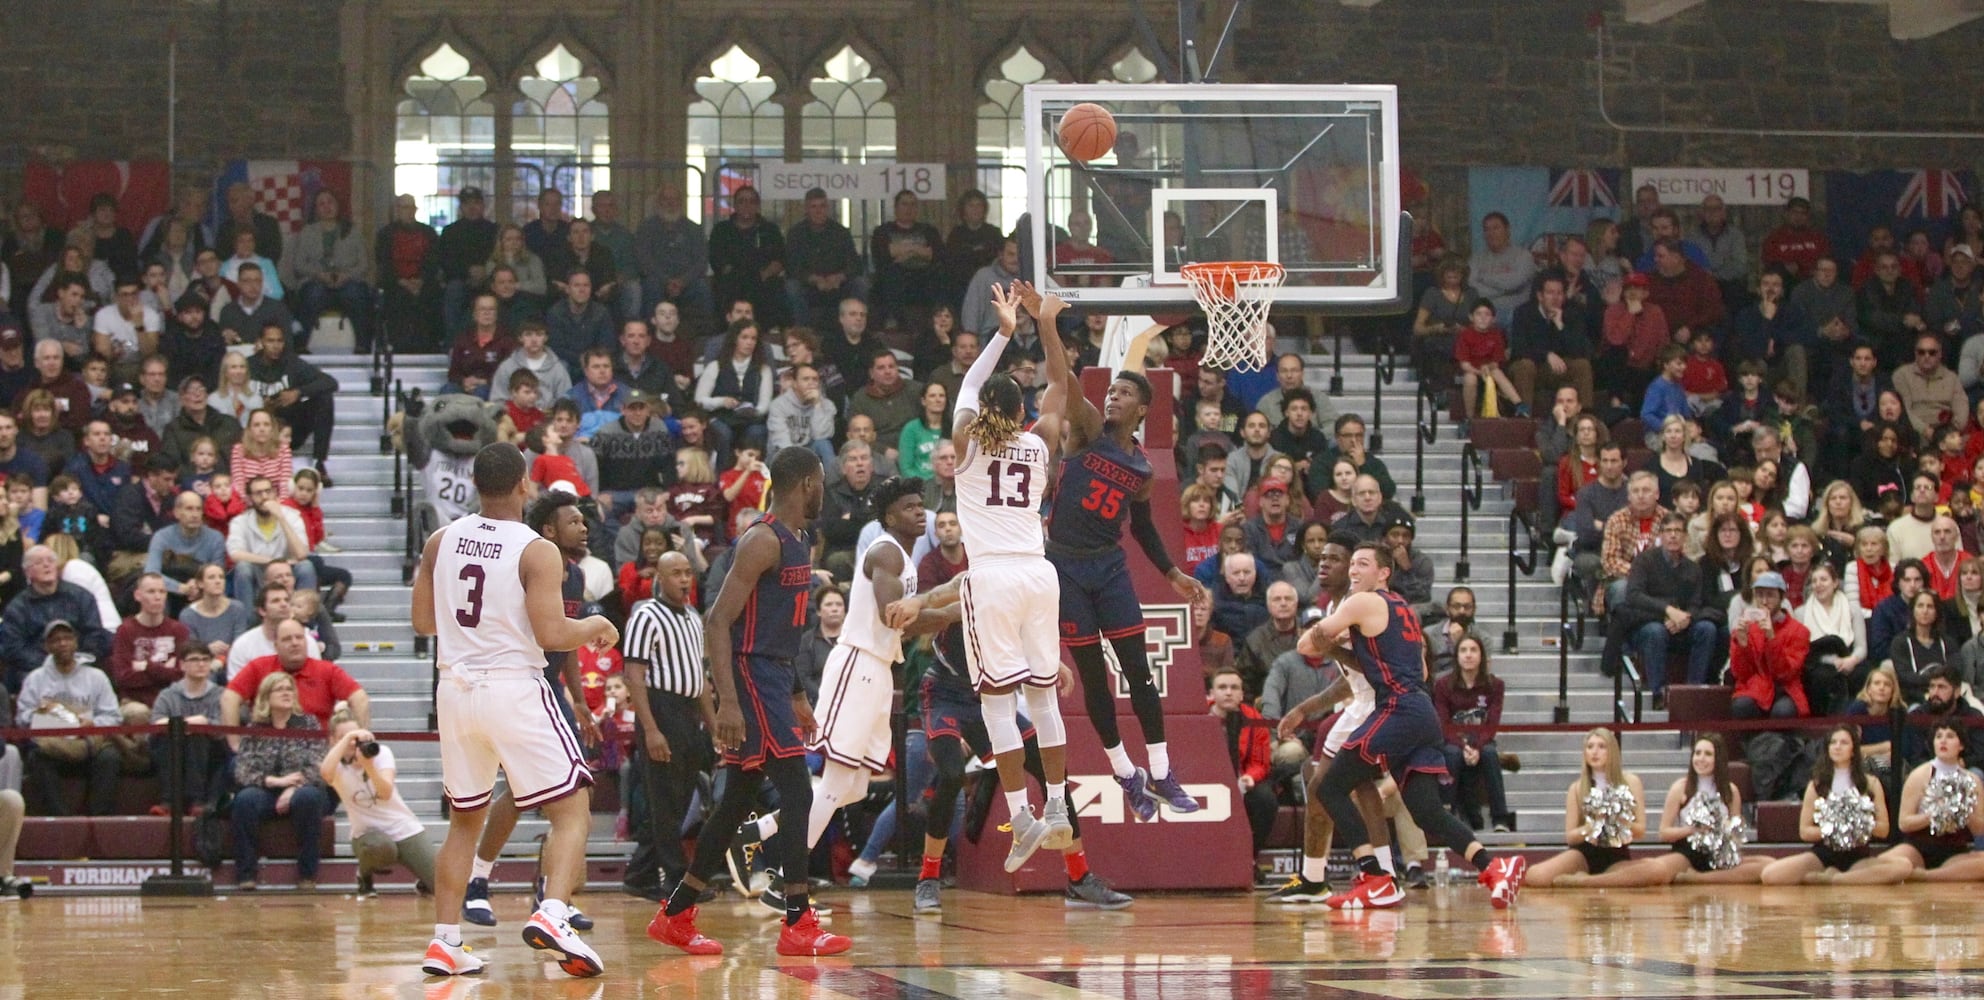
(1019, 494)
(471, 616)
(1103, 499)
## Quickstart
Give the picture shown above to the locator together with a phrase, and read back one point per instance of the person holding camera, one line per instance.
(384, 832)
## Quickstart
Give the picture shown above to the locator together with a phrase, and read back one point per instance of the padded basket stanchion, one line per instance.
(1236, 296)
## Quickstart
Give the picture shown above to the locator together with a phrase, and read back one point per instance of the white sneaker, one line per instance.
(859, 871)
(326, 548)
(546, 932)
(1028, 833)
(444, 959)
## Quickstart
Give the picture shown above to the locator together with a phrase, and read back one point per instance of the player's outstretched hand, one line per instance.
(1289, 724)
(603, 632)
(902, 613)
(1189, 588)
(1007, 305)
(729, 727)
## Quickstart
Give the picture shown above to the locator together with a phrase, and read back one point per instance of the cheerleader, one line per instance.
(1840, 773)
(1708, 777)
(1924, 856)
(1602, 769)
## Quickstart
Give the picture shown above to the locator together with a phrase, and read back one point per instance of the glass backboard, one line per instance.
(1303, 176)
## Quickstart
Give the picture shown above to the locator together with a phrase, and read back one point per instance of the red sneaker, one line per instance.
(806, 938)
(1503, 879)
(1370, 892)
(679, 931)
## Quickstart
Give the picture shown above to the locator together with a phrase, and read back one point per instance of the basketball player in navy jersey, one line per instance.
(1103, 482)
(763, 719)
(487, 590)
(1378, 630)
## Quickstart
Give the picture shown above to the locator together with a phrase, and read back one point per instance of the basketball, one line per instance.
(1088, 131)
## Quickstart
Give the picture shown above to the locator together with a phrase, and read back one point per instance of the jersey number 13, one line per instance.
(1019, 494)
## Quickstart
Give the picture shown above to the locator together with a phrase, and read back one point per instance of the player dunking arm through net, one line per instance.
(955, 723)
(1104, 482)
(749, 638)
(1012, 596)
(488, 590)
(857, 687)
(1402, 736)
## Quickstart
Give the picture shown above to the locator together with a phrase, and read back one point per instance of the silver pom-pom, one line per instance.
(1609, 813)
(1948, 802)
(1716, 833)
(1845, 820)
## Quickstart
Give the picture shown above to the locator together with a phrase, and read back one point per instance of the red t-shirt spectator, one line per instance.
(1704, 377)
(751, 495)
(548, 469)
(1481, 347)
(320, 685)
(1796, 248)
(523, 418)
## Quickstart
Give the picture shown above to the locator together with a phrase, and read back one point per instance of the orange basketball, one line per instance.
(1088, 131)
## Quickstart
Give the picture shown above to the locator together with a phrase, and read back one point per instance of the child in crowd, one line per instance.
(223, 502)
(637, 577)
(1947, 442)
(617, 725)
(520, 412)
(1687, 498)
(1931, 464)
(96, 375)
(305, 489)
(552, 465)
(1480, 350)
(1704, 377)
(1664, 395)
(1743, 410)
(1206, 418)
(20, 496)
(744, 485)
(1744, 479)
(69, 513)
(205, 460)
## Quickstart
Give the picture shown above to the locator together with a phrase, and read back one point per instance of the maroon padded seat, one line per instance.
(1491, 433)
(136, 795)
(1699, 702)
(1777, 822)
(54, 838)
(1515, 463)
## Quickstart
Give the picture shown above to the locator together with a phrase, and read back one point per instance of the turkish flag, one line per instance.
(143, 189)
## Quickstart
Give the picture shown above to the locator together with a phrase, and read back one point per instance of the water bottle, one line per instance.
(1442, 869)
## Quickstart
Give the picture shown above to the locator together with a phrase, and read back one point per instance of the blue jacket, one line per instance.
(99, 488)
(1663, 397)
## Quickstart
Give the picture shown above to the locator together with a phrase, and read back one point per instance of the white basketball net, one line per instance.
(1236, 297)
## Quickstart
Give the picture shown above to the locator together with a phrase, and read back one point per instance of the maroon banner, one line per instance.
(1208, 849)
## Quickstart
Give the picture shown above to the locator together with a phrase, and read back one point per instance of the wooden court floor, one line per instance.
(1913, 941)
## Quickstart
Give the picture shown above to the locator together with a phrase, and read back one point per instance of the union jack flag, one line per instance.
(1930, 194)
(1581, 188)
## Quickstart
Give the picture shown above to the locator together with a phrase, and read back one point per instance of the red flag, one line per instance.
(62, 192)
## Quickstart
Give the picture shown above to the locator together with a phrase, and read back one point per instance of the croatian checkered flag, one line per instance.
(284, 189)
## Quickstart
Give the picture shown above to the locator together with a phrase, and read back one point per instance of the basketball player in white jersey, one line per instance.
(1354, 692)
(857, 685)
(1012, 602)
(490, 591)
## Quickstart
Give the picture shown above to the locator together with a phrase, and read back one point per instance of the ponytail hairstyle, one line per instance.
(1001, 412)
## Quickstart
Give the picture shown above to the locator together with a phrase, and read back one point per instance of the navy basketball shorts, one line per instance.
(771, 727)
(1403, 736)
(1097, 597)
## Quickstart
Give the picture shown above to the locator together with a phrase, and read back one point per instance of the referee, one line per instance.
(663, 656)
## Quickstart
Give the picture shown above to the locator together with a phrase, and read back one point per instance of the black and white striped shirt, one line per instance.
(670, 643)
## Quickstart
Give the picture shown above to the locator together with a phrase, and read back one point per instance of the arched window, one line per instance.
(849, 119)
(559, 124)
(445, 134)
(737, 121)
(1002, 136)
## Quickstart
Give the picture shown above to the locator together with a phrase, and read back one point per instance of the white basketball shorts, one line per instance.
(507, 719)
(1354, 714)
(1012, 614)
(856, 692)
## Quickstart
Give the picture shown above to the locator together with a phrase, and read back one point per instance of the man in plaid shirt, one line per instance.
(1628, 532)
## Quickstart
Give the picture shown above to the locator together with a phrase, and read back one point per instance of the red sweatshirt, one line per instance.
(313, 520)
(1691, 299)
(1248, 744)
(144, 659)
(1704, 377)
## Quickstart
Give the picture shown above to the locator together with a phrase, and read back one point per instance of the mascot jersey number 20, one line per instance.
(443, 448)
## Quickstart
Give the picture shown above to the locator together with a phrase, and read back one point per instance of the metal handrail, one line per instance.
(1427, 430)
(1385, 368)
(1336, 362)
(1570, 635)
(1470, 500)
(386, 445)
(1525, 563)
(382, 348)
(1627, 671)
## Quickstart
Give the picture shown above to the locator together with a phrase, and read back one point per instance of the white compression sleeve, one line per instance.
(981, 369)
(1002, 725)
(1043, 708)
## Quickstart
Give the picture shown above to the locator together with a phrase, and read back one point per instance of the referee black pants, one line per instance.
(658, 858)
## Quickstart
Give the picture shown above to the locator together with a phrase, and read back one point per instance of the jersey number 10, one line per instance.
(1021, 490)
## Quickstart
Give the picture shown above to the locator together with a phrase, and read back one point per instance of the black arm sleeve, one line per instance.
(1144, 530)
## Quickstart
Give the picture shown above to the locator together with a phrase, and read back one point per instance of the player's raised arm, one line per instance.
(982, 367)
(543, 573)
(757, 554)
(1060, 374)
(423, 588)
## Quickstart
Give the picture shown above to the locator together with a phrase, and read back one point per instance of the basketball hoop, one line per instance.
(1236, 296)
